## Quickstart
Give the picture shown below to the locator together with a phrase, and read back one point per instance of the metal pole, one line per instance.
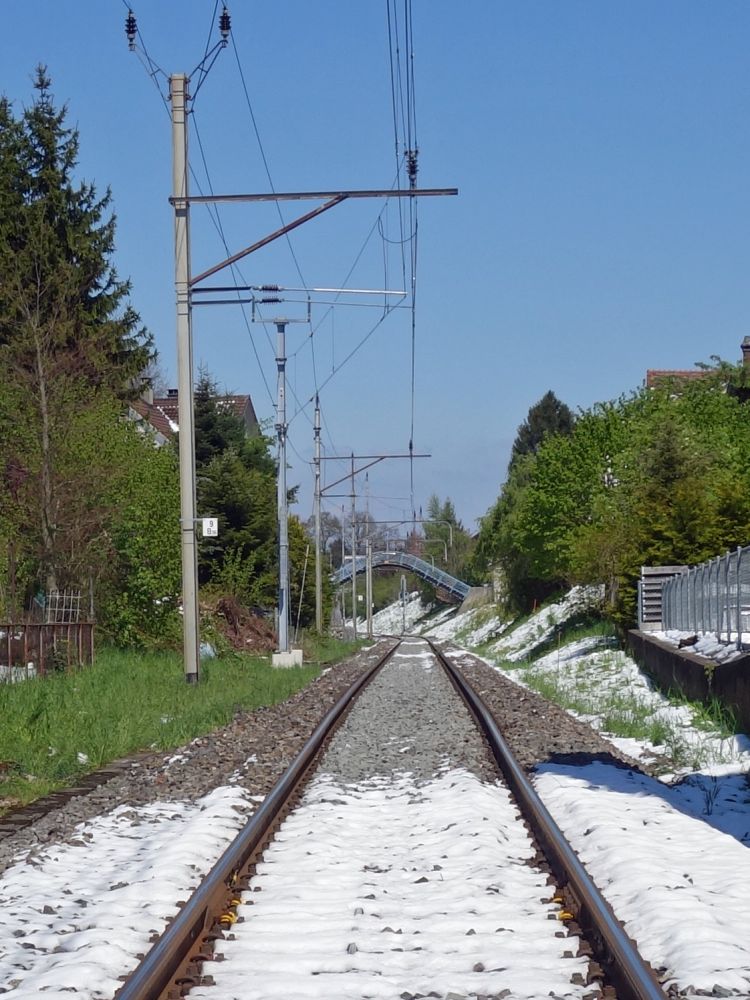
(316, 514)
(725, 600)
(178, 94)
(281, 490)
(368, 559)
(739, 599)
(369, 589)
(354, 558)
(343, 586)
(693, 574)
(719, 564)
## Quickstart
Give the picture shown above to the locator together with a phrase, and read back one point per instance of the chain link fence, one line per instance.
(713, 597)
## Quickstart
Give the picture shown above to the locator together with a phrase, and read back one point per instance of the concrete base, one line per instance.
(695, 677)
(291, 659)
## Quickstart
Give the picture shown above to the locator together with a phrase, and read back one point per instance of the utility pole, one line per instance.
(178, 96)
(368, 558)
(354, 556)
(368, 585)
(316, 514)
(281, 494)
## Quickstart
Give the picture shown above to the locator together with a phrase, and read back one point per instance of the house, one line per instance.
(160, 414)
(659, 376)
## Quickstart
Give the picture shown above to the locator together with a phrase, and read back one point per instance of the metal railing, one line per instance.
(713, 597)
(404, 560)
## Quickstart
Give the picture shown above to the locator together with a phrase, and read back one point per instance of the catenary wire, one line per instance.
(271, 184)
(154, 71)
(216, 218)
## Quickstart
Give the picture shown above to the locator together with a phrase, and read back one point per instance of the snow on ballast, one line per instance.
(405, 870)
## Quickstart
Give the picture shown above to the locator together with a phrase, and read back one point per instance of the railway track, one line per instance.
(389, 862)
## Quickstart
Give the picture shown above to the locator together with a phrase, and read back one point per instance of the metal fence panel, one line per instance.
(712, 597)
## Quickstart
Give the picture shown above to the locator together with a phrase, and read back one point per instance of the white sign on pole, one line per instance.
(210, 527)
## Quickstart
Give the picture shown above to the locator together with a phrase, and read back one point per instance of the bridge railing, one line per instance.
(437, 577)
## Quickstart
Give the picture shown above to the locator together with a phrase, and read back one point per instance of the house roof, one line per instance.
(656, 376)
(155, 416)
(162, 413)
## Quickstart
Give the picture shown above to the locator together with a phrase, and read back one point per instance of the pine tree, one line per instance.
(444, 528)
(217, 428)
(68, 335)
(236, 478)
(56, 244)
(547, 416)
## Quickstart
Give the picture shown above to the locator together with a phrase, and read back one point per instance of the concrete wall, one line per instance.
(477, 597)
(696, 677)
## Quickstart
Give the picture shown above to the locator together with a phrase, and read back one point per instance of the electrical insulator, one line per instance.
(270, 288)
(411, 165)
(225, 25)
(131, 30)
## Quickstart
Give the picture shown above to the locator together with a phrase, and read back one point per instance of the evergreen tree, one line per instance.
(548, 416)
(68, 338)
(217, 428)
(236, 482)
(446, 534)
(56, 244)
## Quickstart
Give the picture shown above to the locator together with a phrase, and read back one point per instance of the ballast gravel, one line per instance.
(256, 747)
(537, 731)
(128, 889)
(253, 750)
(404, 872)
(408, 719)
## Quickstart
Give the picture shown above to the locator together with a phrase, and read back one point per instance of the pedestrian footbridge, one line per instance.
(454, 588)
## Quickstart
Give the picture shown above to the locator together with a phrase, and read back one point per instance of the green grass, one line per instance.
(126, 702)
(714, 717)
(549, 687)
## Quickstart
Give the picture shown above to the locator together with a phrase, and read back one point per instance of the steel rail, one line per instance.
(165, 965)
(614, 950)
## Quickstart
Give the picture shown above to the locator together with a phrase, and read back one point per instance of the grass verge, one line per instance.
(57, 728)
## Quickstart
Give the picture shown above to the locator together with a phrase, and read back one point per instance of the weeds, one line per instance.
(714, 717)
(710, 794)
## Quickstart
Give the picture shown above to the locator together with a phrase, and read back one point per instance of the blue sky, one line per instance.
(601, 228)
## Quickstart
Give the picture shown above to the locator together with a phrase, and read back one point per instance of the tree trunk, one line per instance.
(47, 511)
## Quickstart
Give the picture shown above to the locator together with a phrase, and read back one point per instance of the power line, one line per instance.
(153, 70)
(393, 59)
(210, 31)
(234, 271)
(270, 181)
